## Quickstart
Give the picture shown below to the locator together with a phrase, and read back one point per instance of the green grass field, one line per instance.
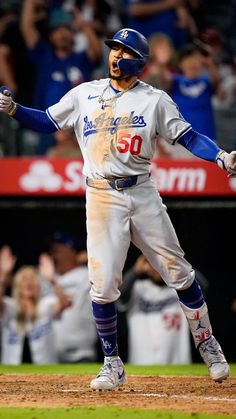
(84, 369)
(101, 412)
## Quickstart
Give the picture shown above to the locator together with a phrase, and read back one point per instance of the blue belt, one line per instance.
(117, 183)
(121, 183)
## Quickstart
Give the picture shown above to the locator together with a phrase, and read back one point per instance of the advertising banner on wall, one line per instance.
(64, 177)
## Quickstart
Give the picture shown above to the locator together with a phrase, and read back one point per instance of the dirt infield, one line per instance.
(186, 394)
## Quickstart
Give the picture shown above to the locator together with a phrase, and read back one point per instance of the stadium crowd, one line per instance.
(50, 46)
(45, 310)
(46, 313)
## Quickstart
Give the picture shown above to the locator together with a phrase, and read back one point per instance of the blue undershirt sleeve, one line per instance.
(200, 145)
(34, 119)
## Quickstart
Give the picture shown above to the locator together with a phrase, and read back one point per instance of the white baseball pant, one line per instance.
(137, 214)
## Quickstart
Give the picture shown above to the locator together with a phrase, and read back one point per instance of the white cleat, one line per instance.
(214, 358)
(112, 375)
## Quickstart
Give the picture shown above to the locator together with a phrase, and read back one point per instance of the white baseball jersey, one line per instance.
(117, 132)
(117, 135)
(158, 329)
(40, 333)
(75, 331)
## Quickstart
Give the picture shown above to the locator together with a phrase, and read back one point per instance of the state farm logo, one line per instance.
(41, 176)
(179, 179)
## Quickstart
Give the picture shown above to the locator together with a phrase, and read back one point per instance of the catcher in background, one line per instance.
(117, 121)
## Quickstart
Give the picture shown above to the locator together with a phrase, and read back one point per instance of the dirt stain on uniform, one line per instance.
(98, 216)
(98, 145)
(103, 145)
(96, 273)
(171, 265)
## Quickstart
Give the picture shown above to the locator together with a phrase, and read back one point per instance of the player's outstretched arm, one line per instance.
(31, 118)
(202, 146)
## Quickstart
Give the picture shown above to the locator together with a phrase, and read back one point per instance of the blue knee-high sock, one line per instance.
(192, 297)
(106, 321)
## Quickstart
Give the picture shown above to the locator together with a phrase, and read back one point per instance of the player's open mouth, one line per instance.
(114, 66)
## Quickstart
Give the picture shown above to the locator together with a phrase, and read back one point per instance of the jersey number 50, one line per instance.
(127, 143)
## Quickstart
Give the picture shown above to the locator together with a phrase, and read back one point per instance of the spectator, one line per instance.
(213, 42)
(159, 71)
(7, 264)
(192, 90)
(86, 37)
(66, 145)
(167, 16)
(162, 62)
(103, 15)
(76, 335)
(27, 330)
(16, 70)
(157, 328)
(59, 68)
(224, 105)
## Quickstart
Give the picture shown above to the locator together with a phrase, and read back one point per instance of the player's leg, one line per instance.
(196, 311)
(153, 233)
(108, 228)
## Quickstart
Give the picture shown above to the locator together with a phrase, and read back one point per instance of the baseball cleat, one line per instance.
(214, 358)
(111, 376)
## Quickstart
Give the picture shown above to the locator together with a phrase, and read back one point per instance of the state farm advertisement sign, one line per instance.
(60, 177)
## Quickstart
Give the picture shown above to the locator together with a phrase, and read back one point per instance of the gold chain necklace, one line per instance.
(111, 99)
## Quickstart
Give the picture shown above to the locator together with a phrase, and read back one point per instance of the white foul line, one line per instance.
(182, 396)
(164, 395)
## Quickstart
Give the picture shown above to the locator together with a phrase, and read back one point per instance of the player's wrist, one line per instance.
(7, 104)
(12, 109)
(221, 159)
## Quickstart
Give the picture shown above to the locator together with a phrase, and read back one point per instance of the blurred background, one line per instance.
(46, 48)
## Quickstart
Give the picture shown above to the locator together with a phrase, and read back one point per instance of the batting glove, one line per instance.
(7, 105)
(227, 161)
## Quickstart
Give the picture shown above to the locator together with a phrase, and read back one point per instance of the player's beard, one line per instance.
(122, 76)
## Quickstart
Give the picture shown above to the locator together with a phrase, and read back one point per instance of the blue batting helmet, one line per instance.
(137, 43)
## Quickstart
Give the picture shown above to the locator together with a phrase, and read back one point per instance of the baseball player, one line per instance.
(117, 121)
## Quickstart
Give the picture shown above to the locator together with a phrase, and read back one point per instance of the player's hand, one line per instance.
(46, 267)
(227, 161)
(231, 163)
(7, 105)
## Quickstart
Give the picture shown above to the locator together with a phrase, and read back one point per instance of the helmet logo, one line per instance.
(124, 34)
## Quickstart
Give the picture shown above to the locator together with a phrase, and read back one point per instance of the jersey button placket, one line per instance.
(108, 134)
